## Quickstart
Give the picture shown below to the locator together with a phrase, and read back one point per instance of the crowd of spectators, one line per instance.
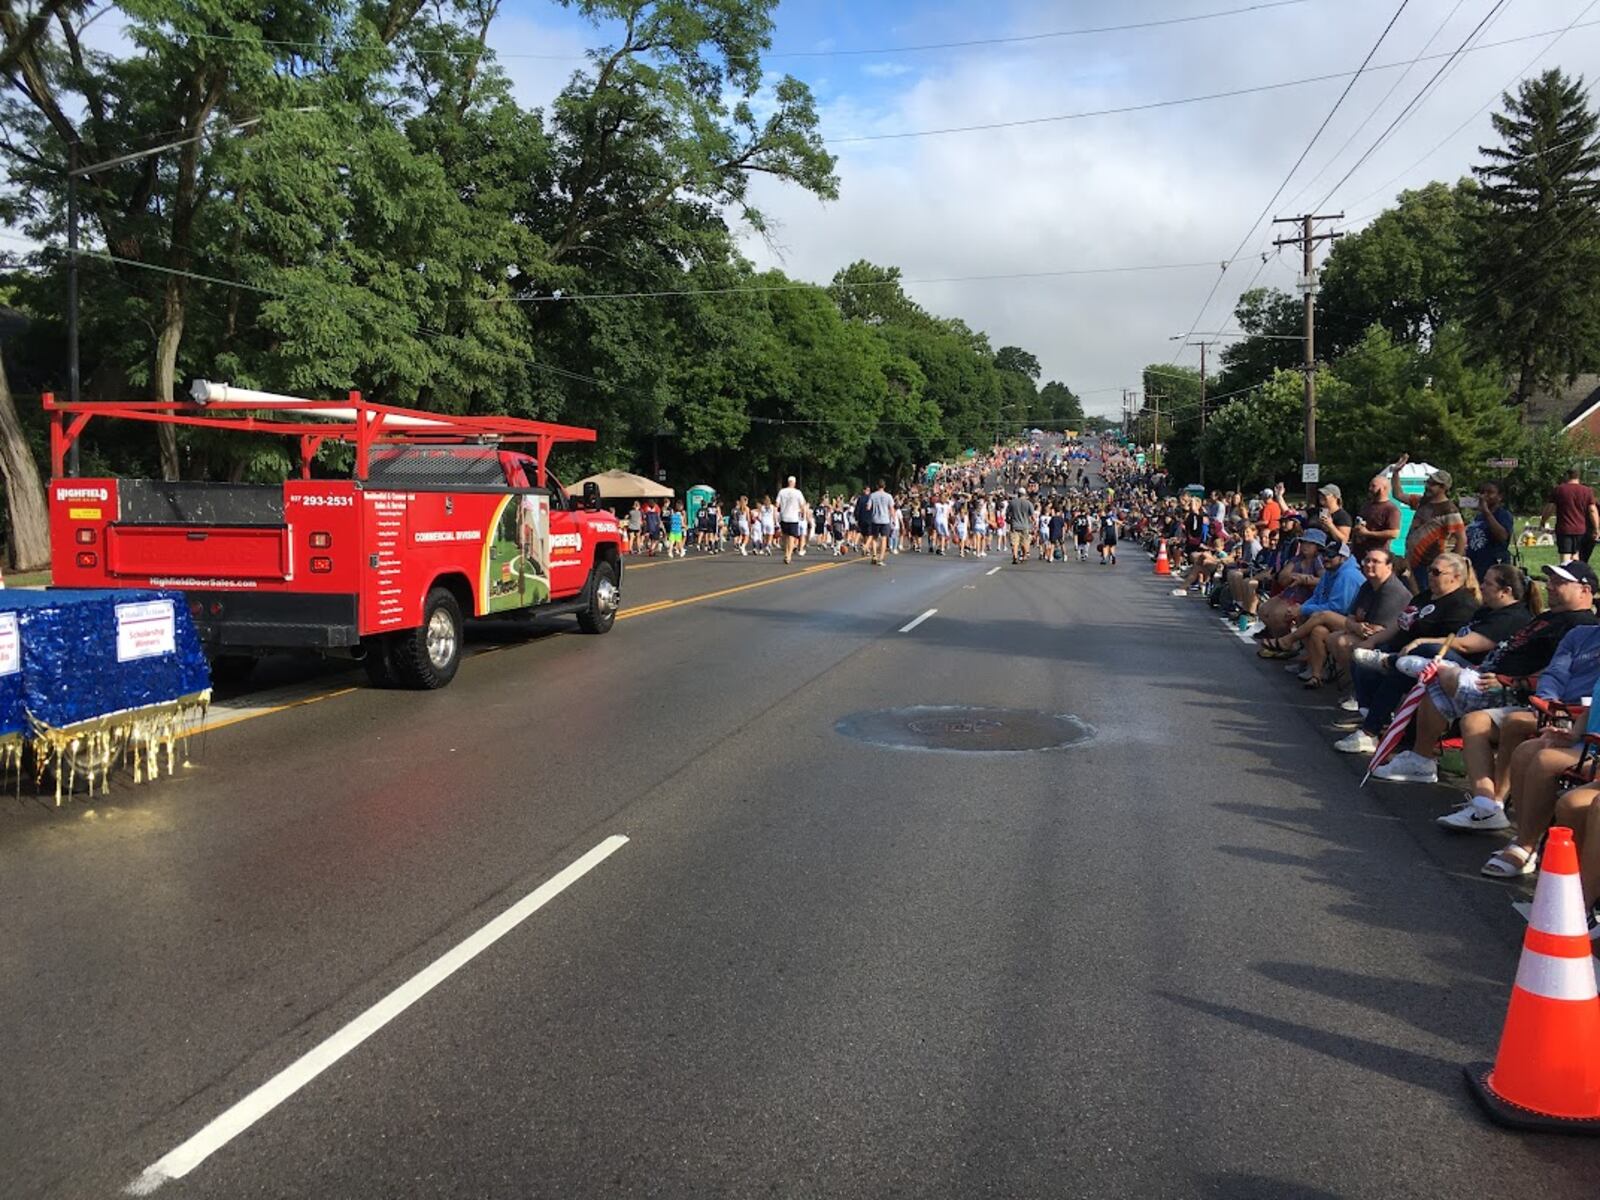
(1426, 637)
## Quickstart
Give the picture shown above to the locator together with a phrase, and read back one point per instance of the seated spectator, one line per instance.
(1330, 516)
(1533, 784)
(1373, 618)
(1335, 592)
(1438, 612)
(1294, 581)
(1204, 566)
(1494, 683)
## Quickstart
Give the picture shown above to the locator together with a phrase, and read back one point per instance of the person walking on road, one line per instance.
(791, 508)
(1022, 517)
(880, 522)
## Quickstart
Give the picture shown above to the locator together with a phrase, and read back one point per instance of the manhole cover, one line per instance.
(965, 728)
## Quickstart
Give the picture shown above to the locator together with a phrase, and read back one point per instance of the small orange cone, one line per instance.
(1163, 567)
(1546, 1075)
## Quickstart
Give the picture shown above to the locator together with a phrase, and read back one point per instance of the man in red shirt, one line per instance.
(1271, 510)
(1577, 518)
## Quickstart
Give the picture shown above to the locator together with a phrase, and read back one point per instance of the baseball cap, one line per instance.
(1442, 478)
(1315, 536)
(1573, 572)
(1330, 489)
(1266, 491)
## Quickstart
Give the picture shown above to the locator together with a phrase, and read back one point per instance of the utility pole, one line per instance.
(1202, 344)
(1307, 241)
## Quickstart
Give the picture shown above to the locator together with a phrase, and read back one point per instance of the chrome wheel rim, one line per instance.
(606, 596)
(441, 639)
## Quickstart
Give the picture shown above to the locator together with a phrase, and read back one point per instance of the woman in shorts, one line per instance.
(980, 526)
(960, 528)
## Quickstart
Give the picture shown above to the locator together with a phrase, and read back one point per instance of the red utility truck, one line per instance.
(437, 519)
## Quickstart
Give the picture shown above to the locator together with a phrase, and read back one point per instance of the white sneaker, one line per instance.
(802, 551)
(1371, 659)
(1178, 592)
(1348, 704)
(1480, 814)
(1359, 742)
(1408, 767)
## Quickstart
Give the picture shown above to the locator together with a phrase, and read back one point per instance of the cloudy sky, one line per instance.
(1164, 187)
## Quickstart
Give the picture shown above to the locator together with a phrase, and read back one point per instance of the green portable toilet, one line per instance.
(695, 499)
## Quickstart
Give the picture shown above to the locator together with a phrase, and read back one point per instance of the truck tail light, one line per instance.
(321, 564)
(321, 541)
(87, 558)
(85, 537)
(196, 608)
(216, 608)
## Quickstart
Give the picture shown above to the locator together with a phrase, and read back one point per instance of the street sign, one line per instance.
(1310, 473)
(1503, 464)
(661, 476)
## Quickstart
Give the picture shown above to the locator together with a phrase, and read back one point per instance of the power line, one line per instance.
(1266, 208)
(755, 289)
(1352, 76)
(1498, 92)
(1038, 37)
(1365, 121)
(969, 43)
(1415, 101)
(798, 286)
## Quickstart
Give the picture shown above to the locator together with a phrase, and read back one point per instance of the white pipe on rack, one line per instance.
(203, 391)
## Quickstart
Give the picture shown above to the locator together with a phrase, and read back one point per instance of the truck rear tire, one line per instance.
(604, 599)
(427, 657)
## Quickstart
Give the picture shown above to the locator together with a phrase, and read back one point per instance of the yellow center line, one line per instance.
(663, 605)
(213, 726)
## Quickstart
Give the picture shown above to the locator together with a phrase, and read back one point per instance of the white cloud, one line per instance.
(1173, 185)
(887, 70)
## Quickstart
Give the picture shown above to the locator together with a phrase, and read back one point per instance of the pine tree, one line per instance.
(1538, 236)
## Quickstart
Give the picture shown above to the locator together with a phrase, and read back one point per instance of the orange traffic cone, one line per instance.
(1163, 566)
(1546, 1075)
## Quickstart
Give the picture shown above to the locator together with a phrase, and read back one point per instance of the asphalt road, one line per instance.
(1184, 958)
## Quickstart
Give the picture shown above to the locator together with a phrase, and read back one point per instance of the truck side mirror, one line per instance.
(591, 494)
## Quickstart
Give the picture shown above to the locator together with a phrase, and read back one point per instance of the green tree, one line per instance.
(1274, 321)
(1018, 360)
(1256, 440)
(1428, 402)
(1058, 405)
(1407, 271)
(1537, 244)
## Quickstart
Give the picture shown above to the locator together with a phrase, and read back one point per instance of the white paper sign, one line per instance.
(10, 644)
(1310, 472)
(146, 630)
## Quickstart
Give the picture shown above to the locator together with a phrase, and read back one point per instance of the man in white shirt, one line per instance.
(791, 508)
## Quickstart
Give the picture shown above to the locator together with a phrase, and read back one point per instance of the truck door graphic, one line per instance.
(516, 560)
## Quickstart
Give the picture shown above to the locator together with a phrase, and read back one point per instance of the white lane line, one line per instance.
(909, 626)
(990, 571)
(179, 1162)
